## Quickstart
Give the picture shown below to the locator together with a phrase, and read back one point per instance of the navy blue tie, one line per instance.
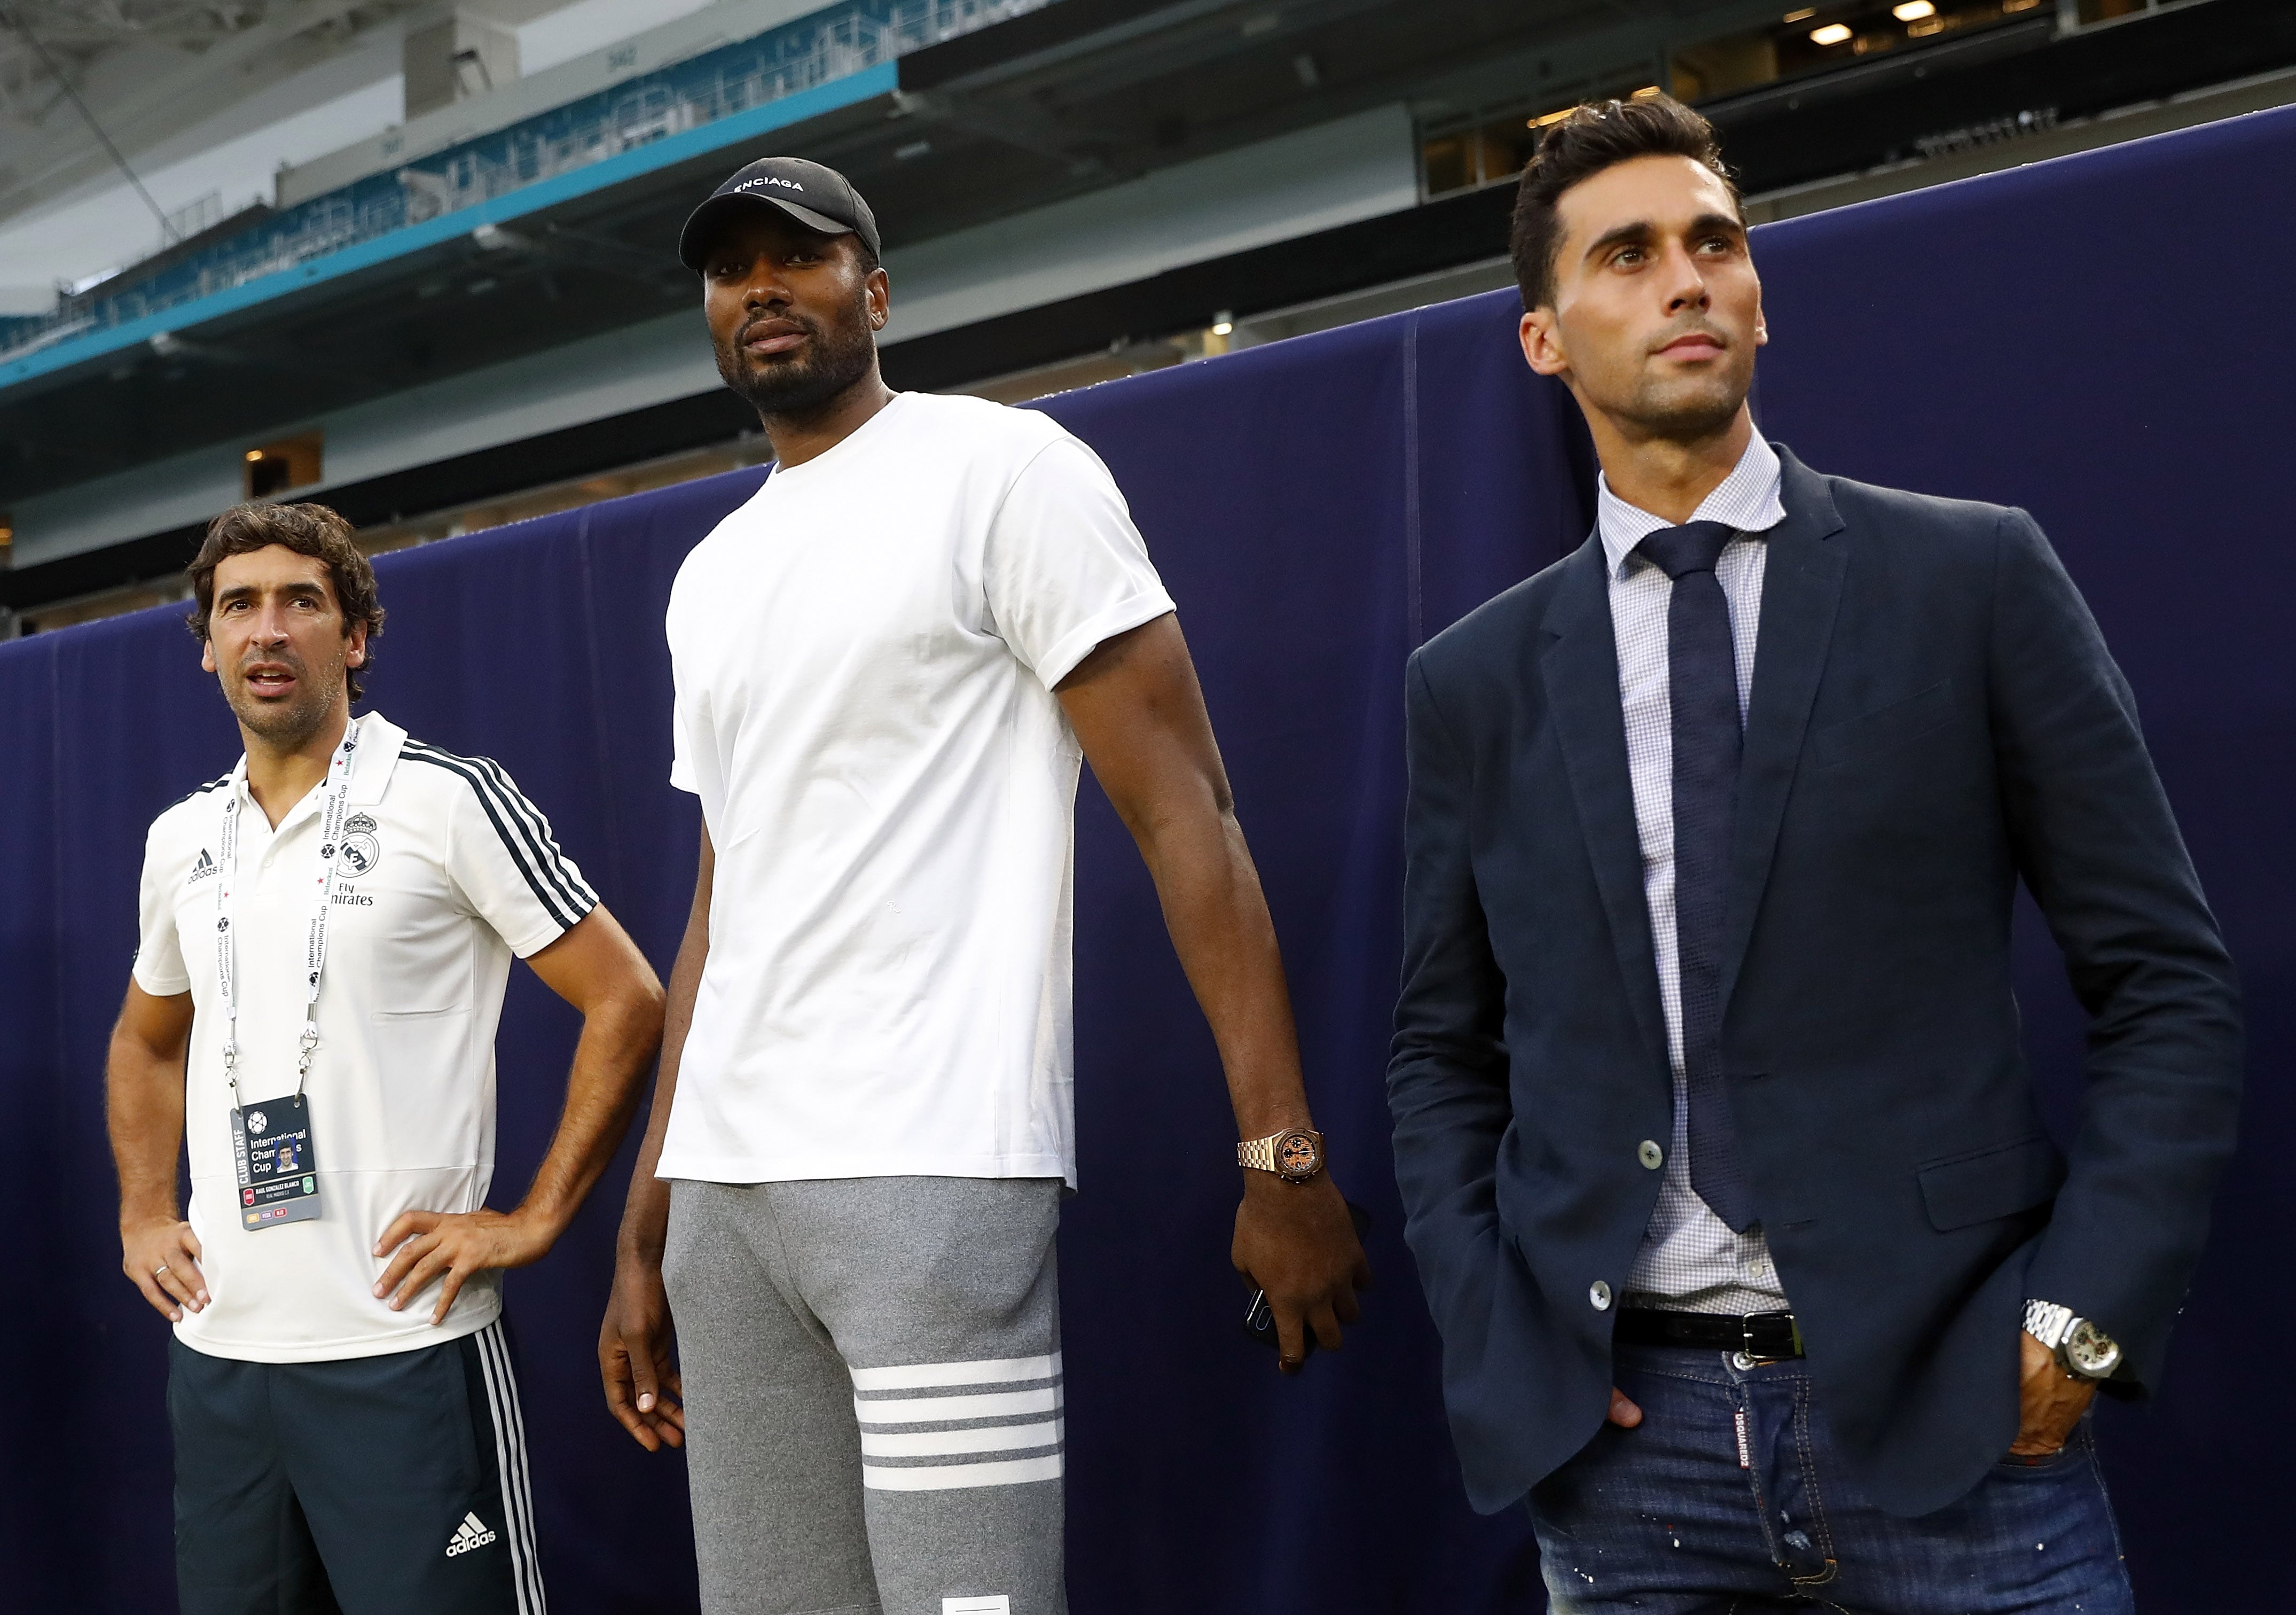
(1702, 681)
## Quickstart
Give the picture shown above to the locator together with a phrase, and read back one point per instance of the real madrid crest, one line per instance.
(360, 850)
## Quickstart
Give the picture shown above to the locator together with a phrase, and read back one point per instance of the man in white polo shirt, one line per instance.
(889, 665)
(327, 931)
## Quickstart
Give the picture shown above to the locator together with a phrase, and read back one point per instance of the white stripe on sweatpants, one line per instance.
(510, 1465)
(941, 1443)
(951, 1477)
(935, 1410)
(922, 1376)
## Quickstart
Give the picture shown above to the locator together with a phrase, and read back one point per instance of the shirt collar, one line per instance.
(1747, 499)
(377, 754)
(371, 768)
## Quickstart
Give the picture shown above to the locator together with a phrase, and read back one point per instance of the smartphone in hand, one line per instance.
(1259, 1317)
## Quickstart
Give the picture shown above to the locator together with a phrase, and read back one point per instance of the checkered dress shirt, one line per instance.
(1690, 1260)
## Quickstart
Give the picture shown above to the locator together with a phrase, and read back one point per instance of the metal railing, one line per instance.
(814, 50)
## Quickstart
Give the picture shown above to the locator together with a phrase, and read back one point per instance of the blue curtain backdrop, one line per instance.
(2093, 338)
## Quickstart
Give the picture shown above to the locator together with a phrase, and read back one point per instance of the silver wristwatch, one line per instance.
(2081, 1347)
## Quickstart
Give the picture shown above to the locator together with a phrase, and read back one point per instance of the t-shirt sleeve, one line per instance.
(681, 747)
(1064, 567)
(508, 866)
(682, 773)
(159, 950)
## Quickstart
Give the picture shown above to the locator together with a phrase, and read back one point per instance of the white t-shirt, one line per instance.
(446, 871)
(864, 656)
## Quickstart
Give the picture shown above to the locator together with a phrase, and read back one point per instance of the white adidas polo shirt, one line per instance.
(447, 871)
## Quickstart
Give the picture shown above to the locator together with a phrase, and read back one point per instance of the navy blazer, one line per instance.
(1934, 717)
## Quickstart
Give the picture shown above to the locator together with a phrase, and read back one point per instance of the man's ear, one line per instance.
(880, 294)
(355, 652)
(1542, 342)
(207, 654)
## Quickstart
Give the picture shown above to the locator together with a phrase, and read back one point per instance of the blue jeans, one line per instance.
(1728, 1499)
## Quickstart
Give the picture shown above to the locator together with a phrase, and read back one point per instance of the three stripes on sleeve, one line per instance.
(552, 878)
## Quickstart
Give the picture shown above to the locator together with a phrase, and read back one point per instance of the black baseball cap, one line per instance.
(818, 198)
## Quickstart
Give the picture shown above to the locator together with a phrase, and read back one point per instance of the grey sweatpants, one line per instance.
(872, 1394)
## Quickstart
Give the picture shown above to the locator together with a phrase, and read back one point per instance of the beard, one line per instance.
(1686, 408)
(836, 356)
(288, 724)
(1683, 416)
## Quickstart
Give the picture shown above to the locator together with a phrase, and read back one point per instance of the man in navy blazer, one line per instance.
(1755, 1268)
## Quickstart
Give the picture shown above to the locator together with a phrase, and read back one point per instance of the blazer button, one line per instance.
(1650, 1155)
(1600, 1295)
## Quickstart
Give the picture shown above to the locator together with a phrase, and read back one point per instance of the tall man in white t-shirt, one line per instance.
(889, 663)
(327, 931)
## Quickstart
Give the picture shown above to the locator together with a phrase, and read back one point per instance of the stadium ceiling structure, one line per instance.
(1063, 100)
(147, 70)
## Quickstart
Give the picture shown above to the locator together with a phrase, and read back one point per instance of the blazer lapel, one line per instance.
(1579, 667)
(1801, 588)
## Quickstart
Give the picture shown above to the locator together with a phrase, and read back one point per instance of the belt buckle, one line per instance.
(1748, 1348)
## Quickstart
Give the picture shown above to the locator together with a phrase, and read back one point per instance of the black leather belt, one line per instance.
(1757, 1334)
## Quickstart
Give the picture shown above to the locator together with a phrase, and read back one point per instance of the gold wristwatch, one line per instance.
(1295, 1155)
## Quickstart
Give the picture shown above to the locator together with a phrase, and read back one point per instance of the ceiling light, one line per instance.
(255, 454)
(1913, 11)
(1649, 92)
(1544, 118)
(1832, 33)
(1803, 15)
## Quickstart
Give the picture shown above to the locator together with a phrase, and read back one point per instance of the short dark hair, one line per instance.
(1597, 135)
(308, 530)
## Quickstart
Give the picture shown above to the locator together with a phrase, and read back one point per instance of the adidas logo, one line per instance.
(204, 868)
(471, 1534)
